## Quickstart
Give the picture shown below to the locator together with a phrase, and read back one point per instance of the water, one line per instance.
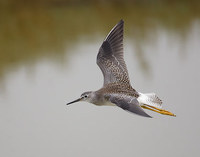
(42, 71)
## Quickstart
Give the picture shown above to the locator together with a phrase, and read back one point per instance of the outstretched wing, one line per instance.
(128, 103)
(110, 58)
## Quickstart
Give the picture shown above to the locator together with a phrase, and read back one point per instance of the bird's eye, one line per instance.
(85, 96)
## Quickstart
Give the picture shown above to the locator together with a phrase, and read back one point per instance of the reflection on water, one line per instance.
(47, 54)
(30, 33)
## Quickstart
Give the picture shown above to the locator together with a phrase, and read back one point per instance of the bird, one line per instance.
(117, 89)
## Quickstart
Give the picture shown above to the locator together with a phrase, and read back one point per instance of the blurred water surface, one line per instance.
(48, 57)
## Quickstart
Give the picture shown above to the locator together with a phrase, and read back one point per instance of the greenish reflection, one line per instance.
(45, 29)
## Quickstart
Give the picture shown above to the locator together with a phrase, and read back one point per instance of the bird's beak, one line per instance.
(79, 99)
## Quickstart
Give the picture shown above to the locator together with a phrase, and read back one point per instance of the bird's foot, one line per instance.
(155, 109)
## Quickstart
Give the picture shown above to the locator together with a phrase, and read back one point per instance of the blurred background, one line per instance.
(48, 52)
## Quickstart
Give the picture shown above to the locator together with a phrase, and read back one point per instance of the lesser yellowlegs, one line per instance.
(117, 89)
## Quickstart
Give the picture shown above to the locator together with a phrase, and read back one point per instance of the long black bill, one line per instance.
(74, 101)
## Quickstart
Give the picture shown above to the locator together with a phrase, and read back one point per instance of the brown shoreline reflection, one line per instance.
(30, 32)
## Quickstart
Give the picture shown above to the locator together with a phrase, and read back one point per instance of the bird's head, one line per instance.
(86, 96)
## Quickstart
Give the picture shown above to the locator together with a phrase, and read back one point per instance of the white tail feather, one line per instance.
(150, 99)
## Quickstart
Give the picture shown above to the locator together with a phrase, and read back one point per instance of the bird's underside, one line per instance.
(117, 88)
(124, 96)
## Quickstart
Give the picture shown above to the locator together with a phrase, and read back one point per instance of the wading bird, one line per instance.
(117, 89)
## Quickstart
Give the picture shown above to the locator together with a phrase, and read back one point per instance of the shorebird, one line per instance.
(117, 90)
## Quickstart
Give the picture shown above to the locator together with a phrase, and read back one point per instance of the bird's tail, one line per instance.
(151, 102)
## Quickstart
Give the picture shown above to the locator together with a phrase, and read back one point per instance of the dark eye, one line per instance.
(85, 96)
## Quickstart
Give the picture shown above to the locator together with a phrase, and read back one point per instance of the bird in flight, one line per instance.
(117, 90)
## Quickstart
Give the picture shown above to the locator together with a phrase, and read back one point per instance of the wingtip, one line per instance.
(118, 28)
(146, 115)
(121, 20)
(149, 117)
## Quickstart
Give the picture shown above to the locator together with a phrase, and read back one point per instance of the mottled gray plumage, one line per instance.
(110, 58)
(117, 89)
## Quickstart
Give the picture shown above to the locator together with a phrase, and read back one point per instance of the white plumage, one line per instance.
(150, 99)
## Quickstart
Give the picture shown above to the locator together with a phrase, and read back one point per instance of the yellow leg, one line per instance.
(155, 109)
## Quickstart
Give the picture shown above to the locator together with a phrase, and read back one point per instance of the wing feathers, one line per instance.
(128, 103)
(110, 58)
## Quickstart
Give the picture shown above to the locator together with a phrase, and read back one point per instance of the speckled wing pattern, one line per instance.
(110, 58)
